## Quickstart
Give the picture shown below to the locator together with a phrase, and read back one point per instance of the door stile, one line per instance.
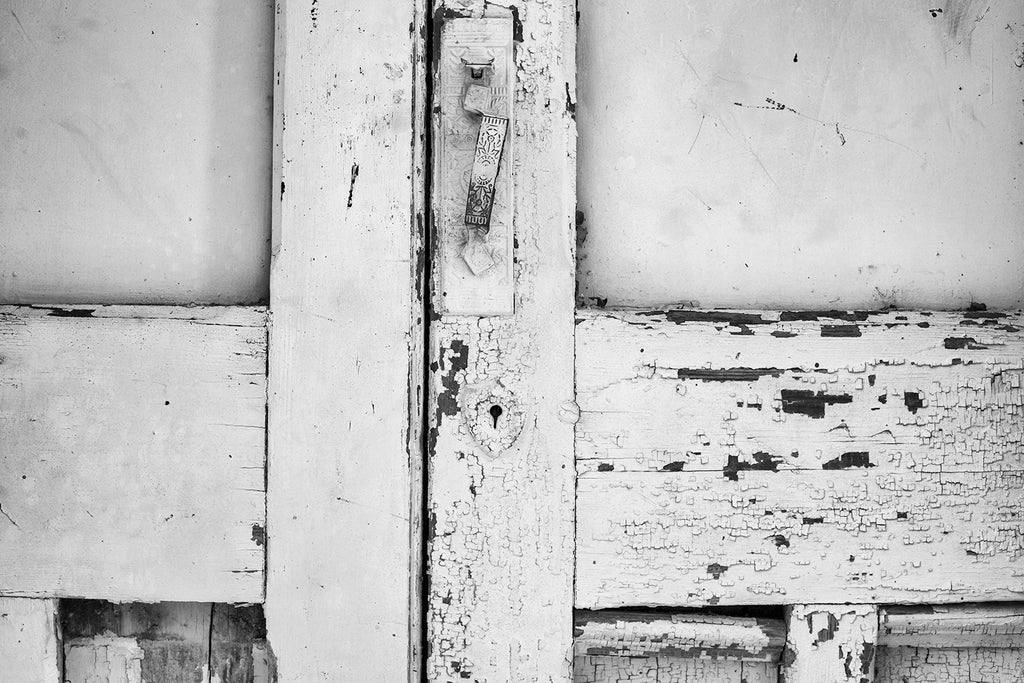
(344, 343)
(501, 487)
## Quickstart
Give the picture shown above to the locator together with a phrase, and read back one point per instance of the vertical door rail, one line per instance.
(500, 439)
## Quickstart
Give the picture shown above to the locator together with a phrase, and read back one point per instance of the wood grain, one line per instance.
(500, 494)
(29, 640)
(723, 456)
(132, 452)
(343, 339)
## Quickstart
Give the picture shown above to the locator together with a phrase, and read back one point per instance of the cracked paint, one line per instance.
(916, 498)
(500, 491)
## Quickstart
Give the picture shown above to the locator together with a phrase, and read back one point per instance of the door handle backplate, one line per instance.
(473, 128)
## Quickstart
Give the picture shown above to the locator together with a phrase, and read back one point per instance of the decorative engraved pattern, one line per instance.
(486, 163)
(475, 268)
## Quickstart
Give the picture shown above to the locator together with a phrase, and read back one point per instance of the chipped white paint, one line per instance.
(132, 452)
(29, 645)
(949, 665)
(896, 438)
(344, 343)
(861, 153)
(979, 643)
(591, 669)
(702, 636)
(956, 626)
(501, 548)
(105, 659)
(834, 643)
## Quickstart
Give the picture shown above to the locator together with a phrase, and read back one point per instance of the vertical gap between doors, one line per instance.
(423, 215)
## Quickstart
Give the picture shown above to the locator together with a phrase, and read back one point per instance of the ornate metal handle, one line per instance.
(487, 159)
(490, 142)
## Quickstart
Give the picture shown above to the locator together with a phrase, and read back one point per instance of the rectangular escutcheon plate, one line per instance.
(474, 108)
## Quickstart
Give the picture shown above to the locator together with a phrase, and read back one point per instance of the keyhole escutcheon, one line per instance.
(496, 412)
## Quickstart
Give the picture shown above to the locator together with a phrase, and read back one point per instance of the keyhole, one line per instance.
(496, 412)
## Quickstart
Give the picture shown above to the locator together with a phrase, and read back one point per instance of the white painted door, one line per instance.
(770, 400)
(173, 428)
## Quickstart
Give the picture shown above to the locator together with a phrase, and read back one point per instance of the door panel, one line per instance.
(743, 458)
(137, 149)
(767, 154)
(133, 452)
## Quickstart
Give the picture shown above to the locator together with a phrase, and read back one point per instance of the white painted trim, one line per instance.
(501, 496)
(343, 331)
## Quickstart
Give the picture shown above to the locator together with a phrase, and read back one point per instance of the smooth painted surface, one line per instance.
(132, 450)
(136, 155)
(345, 346)
(801, 154)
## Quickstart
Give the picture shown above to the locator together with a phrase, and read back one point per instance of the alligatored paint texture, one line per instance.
(136, 151)
(800, 154)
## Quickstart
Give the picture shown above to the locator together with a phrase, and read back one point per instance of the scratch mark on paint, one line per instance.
(775, 105)
(9, 519)
(352, 183)
(700, 126)
(21, 28)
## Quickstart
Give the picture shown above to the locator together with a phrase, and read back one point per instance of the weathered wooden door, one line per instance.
(211, 339)
(826, 451)
(788, 473)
